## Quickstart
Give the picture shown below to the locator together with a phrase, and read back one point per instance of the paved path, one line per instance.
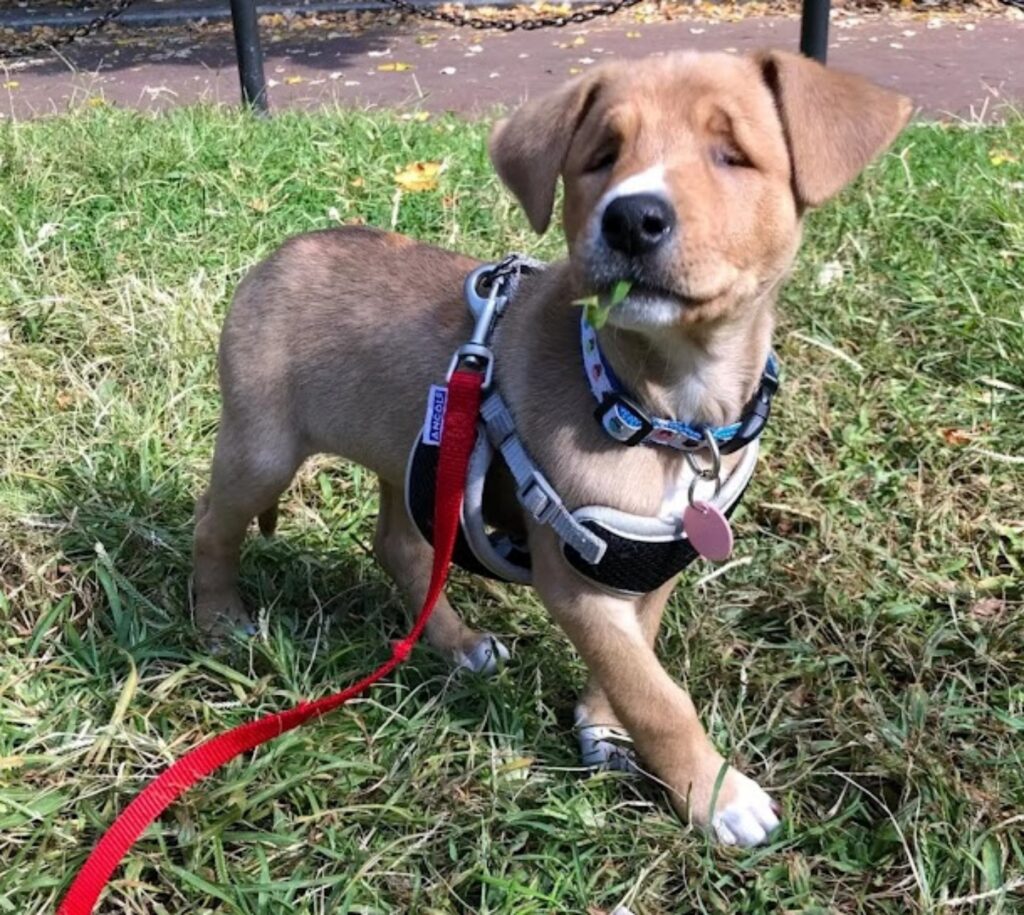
(950, 67)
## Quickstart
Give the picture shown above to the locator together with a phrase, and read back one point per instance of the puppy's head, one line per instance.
(687, 175)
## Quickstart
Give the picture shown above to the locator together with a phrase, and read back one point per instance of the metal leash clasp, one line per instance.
(476, 355)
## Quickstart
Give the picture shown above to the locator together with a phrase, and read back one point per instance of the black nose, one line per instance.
(638, 223)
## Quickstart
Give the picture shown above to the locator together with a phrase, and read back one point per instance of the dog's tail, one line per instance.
(268, 521)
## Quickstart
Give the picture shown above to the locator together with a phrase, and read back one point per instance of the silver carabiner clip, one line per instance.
(714, 472)
(471, 289)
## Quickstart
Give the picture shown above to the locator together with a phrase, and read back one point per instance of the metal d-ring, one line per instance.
(714, 472)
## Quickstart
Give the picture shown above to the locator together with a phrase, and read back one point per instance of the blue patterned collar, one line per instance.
(627, 422)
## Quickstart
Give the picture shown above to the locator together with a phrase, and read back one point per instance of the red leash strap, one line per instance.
(459, 436)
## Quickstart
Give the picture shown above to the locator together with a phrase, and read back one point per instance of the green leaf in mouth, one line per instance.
(596, 307)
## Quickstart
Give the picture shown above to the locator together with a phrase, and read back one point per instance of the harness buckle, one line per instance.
(539, 498)
(608, 415)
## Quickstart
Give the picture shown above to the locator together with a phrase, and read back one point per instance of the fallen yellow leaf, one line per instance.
(1001, 157)
(292, 80)
(357, 182)
(632, 34)
(396, 67)
(11, 84)
(259, 205)
(418, 176)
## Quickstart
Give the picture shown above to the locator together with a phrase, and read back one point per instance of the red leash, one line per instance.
(460, 418)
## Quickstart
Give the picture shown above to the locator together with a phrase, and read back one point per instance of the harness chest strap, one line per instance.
(535, 493)
(619, 551)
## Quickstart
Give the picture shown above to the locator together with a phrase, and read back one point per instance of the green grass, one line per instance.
(867, 663)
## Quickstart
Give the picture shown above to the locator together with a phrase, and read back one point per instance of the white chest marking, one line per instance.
(674, 498)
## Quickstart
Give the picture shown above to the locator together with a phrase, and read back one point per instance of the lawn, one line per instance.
(864, 658)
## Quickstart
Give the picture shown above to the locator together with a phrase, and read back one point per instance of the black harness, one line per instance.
(618, 551)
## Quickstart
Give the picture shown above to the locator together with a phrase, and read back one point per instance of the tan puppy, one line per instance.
(332, 342)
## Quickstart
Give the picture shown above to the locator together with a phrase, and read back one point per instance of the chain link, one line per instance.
(608, 8)
(42, 46)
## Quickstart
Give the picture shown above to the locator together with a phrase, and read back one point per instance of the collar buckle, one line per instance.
(623, 419)
(758, 410)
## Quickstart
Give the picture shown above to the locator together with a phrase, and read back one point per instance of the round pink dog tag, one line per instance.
(708, 531)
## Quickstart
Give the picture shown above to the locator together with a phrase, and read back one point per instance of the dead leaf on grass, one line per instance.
(988, 609)
(957, 436)
(1002, 157)
(418, 176)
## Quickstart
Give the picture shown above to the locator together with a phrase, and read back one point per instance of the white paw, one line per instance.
(749, 818)
(486, 657)
(603, 746)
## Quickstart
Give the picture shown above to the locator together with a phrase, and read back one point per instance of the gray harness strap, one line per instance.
(534, 492)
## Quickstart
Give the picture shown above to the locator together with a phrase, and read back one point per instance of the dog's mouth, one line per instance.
(649, 305)
(654, 296)
(651, 294)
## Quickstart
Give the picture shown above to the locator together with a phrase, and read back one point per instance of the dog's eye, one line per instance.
(603, 159)
(730, 157)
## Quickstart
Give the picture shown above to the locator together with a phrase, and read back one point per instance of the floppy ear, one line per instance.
(529, 148)
(835, 123)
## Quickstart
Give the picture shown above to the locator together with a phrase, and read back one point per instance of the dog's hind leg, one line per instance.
(251, 468)
(408, 559)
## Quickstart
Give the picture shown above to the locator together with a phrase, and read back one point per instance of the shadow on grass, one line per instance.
(126, 544)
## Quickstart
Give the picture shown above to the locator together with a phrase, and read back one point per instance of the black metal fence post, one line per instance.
(250, 54)
(814, 29)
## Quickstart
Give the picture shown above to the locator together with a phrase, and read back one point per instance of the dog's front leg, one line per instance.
(658, 714)
(601, 735)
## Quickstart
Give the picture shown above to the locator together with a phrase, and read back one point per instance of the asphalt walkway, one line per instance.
(950, 65)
